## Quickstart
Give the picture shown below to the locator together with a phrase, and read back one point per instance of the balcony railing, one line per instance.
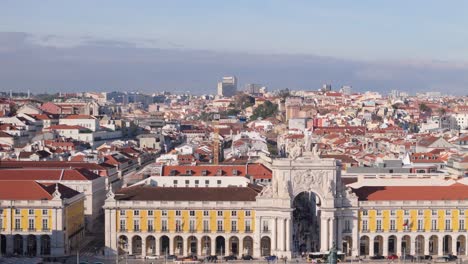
(345, 231)
(32, 229)
(220, 230)
(123, 230)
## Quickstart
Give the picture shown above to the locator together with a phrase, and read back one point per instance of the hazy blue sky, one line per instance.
(369, 29)
(414, 45)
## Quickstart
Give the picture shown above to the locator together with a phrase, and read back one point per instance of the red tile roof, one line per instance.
(151, 193)
(32, 190)
(401, 193)
(47, 174)
(256, 170)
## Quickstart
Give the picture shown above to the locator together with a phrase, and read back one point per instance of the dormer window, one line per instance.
(173, 172)
(204, 173)
(188, 172)
(234, 172)
(219, 173)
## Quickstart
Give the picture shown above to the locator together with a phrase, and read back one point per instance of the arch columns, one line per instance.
(213, 246)
(288, 234)
(143, 247)
(274, 235)
(371, 245)
(440, 245)
(171, 245)
(38, 246)
(454, 245)
(426, 245)
(130, 245)
(385, 246)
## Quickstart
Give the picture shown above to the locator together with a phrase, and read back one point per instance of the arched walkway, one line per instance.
(220, 245)
(193, 245)
(206, 246)
(123, 244)
(461, 245)
(347, 245)
(378, 246)
(4, 244)
(306, 232)
(433, 245)
(178, 246)
(164, 246)
(234, 245)
(248, 246)
(447, 245)
(136, 245)
(18, 245)
(45, 245)
(419, 244)
(265, 246)
(364, 246)
(32, 246)
(392, 244)
(150, 246)
(406, 245)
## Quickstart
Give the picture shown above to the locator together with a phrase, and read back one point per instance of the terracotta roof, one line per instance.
(32, 190)
(79, 117)
(151, 193)
(401, 193)
(256, 170)
(64, 127)
(47, 174)
(52, 164)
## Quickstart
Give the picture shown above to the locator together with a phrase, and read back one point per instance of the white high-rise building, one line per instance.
(227, 87)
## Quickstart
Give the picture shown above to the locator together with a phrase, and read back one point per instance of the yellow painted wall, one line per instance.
(74, 217)
(386, 220)
(400, 220)
(441, 220)
(241, 221)
(413, 220)
(427, 220)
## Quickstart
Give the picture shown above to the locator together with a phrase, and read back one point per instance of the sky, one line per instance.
(367, 44)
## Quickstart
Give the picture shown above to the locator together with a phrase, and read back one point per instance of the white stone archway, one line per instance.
(306, 174)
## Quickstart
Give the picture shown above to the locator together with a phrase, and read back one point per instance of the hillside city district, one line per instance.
(247, 174)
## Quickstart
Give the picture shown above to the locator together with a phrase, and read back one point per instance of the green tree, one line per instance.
(424, 108)
(265, 110)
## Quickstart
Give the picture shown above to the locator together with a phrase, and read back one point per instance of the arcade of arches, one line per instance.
(412, 244)
(184, 245)
(26, 245)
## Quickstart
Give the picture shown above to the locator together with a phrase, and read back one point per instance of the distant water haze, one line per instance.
(43, 64)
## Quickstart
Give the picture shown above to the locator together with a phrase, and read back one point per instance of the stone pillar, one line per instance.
(426, 246)
(412, 246)
(385, 246)
(398, 245)
(371, 246)
(25, 245)
(281, 234)
(289, 234)
(241, 246)
(454, 246)
(440, 246)
(130, 246)
(184, 246)
(213, 246)
(332, 233)
(171, 246)
(339, 230)
(324, 234)
(143, 246)
(199, 246)
(274, 236)
(466, 245)
(9, 245)
(111, 237)
(38, 246)
(355, 236)
(257, 237)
